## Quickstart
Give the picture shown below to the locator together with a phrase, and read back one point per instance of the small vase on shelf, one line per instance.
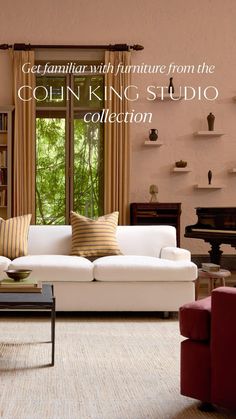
(209, 177)
(153, 134)
(171, 88)
(210, 121)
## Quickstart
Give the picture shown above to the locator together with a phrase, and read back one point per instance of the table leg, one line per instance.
(53, 318)
(212, 283)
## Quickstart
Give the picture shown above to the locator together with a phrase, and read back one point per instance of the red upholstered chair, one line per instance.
(208, 355)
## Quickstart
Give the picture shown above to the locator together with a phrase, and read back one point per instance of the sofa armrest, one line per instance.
(175, 253)
(223, 347)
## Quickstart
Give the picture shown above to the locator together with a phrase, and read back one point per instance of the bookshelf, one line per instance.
(5, 160)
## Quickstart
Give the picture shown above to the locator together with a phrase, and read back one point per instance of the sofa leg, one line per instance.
(206, 407)
(166, 314)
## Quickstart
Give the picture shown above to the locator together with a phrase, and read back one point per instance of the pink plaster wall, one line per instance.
(180, 31)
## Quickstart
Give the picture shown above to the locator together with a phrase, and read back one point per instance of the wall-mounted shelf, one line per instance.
(167, 98)
(204, 186)
(181, 169)
(156, 143)
(232, 170)
(208, 133)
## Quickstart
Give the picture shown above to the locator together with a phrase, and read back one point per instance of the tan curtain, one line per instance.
(24, 139)
(117, 143)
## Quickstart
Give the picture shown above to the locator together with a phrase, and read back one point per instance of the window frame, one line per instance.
(69, 112)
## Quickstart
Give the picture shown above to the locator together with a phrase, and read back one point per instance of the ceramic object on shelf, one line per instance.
(171, 88)
(181, 163)
(153, 134)
(209, 177)
(211, 121)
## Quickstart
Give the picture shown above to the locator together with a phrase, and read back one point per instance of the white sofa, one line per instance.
(151, 275)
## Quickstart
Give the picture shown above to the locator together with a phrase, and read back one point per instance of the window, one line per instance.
(69, 151)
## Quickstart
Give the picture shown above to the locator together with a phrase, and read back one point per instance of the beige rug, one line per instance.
(106, 368)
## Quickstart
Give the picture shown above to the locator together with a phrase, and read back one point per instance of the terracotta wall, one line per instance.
(179, 31)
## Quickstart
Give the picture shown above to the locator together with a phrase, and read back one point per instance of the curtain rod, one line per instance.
(115, 47)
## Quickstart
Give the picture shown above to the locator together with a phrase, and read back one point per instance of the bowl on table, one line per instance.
(18, 274)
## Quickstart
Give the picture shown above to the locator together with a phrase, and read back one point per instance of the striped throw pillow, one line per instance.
(94, 238)
(14, 236)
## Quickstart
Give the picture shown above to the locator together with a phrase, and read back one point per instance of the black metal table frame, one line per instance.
(25, 301)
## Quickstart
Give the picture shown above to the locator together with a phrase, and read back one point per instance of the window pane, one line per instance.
(50, 171)
(91, 92)
(88, 168)
(51, 91)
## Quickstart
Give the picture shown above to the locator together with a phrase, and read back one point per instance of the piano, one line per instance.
(215, 225)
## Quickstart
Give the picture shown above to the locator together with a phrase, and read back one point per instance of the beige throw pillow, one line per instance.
(94, 238)
(14, 236)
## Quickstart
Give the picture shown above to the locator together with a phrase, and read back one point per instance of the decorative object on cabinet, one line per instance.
(211, 121)
(208, 133)
(171, 88)
(157, 214)
(181, 163)
(209, 175)
(153, 134)
(5, 160)
(153, 190)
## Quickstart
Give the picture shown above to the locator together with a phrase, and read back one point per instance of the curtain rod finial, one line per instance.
(137, 47)
(4, 46)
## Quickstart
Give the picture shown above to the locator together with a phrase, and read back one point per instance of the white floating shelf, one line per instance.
(208, 133)
(199, 186)
(232, 170)
(167, 98)
(153, 143)
(182, 169)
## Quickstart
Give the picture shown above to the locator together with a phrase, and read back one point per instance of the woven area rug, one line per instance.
(107, 367)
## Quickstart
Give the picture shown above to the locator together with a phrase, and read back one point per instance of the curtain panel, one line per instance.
(24, 139)
(117, 142)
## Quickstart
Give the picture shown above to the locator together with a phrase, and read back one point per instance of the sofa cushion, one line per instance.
(195, 319)
(4, 263)
(94, 238)
(14, 236)
(142, 268)
(56, 267)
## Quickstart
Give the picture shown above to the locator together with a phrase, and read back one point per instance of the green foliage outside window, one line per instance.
(50, 173)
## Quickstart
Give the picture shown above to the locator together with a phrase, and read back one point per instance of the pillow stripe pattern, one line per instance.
(94, 238)
(14, 236)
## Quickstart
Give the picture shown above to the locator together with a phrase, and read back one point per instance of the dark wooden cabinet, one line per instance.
(156, 213)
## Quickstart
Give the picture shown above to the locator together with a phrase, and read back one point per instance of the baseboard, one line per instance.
(227, 261)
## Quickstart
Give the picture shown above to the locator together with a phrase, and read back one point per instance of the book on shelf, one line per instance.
(210, 267)
(26, 285)
(3, 158)
(3, 176)
(3, 198)
(3, 122)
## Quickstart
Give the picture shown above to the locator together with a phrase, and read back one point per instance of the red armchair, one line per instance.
(208, 356)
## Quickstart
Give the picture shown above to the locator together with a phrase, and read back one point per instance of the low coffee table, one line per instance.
(44, 300)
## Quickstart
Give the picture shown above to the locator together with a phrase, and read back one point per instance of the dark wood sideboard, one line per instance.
(156, 213)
